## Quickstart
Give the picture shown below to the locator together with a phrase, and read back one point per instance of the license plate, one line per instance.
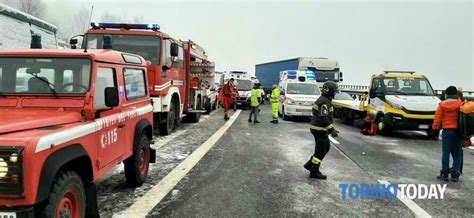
(423, 126)
(8, 214)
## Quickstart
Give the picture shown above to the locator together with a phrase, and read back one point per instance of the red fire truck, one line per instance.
(175, 92)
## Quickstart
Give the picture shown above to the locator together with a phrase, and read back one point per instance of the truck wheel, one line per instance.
(208, 106)
(136, 166)
(382, 127)
(67, 197)
(214, 107)
(167, 126)
(348, 117)
(195, 117)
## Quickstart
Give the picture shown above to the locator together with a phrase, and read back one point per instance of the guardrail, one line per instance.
(360, 90)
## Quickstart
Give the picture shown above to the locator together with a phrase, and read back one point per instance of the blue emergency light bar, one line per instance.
(97, 25)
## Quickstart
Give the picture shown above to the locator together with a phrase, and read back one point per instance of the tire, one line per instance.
(214, 106)
(166, 127)
(67, 197)
(208, 106)
(136, 166)
(195, 117)
(382, 127)
(347, 117)
(283, 116)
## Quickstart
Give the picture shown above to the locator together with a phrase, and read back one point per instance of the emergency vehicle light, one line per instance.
(97, 25)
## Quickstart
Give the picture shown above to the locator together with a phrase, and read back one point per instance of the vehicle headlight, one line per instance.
(290, 101)
(395, 105)
(3, 168)
(11, 170)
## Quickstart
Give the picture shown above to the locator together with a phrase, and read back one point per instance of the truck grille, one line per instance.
(11, 171)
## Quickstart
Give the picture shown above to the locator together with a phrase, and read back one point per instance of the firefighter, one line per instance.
(321, 127)
(274, 102)
(228, 93)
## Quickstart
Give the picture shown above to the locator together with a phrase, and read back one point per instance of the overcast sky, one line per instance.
(432, 37)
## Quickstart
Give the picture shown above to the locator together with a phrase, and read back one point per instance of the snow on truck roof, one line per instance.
(22, 16)
(100, 55)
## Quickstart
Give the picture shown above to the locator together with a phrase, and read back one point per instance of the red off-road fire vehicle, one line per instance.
(175, 69)
(68, 117)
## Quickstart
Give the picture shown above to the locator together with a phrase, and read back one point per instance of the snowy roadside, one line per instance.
(115, 196)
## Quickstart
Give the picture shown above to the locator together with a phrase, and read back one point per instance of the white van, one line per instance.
(299, 90)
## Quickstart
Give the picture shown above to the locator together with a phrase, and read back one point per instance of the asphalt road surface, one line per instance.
(250, 170)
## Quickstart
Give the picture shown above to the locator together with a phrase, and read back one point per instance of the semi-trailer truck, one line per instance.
(325, 69)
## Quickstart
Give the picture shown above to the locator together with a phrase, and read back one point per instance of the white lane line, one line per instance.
(417, 210)
(147, 202)
(334, 141)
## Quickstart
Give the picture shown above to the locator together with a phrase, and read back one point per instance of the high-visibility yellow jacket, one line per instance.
(255, 97)
(275, 96)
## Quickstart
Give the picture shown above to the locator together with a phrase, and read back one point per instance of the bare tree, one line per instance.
(112, 18)
(138, 19)
(81, 21)
(34, 7)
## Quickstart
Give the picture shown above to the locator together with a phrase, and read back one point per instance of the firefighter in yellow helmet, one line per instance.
(275, 103)
(321, 127)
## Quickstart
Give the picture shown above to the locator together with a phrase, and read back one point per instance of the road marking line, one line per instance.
(417, 210)
(333, 140)
(147, 202)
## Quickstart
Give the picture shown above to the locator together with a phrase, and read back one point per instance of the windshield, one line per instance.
(407, 86)
(302, 89)
(44, 75)
(146, 46)
(243, 85)
(327, 75)
(343, 96)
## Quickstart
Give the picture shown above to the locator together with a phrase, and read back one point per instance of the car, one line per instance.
(67, 118)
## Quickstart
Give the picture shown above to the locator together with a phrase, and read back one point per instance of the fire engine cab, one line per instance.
(68, 117)
(174, 91)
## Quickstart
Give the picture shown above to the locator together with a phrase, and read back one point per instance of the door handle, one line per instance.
(121, 126)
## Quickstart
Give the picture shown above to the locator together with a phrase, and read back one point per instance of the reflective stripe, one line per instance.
(316, 107)
(321, 128)
(315, 160)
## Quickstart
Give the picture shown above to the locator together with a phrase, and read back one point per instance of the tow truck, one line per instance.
(67, 118)
(175, 92)
(396, 100)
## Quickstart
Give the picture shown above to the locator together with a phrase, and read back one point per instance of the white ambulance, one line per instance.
(299, 90)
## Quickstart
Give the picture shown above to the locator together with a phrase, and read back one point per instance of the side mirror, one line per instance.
(73, 43)
(340, 75)
(372, 93)
(174, 49)
(111, 96)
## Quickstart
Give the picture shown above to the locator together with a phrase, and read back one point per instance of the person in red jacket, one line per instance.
(228, 93)
(446, 117)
